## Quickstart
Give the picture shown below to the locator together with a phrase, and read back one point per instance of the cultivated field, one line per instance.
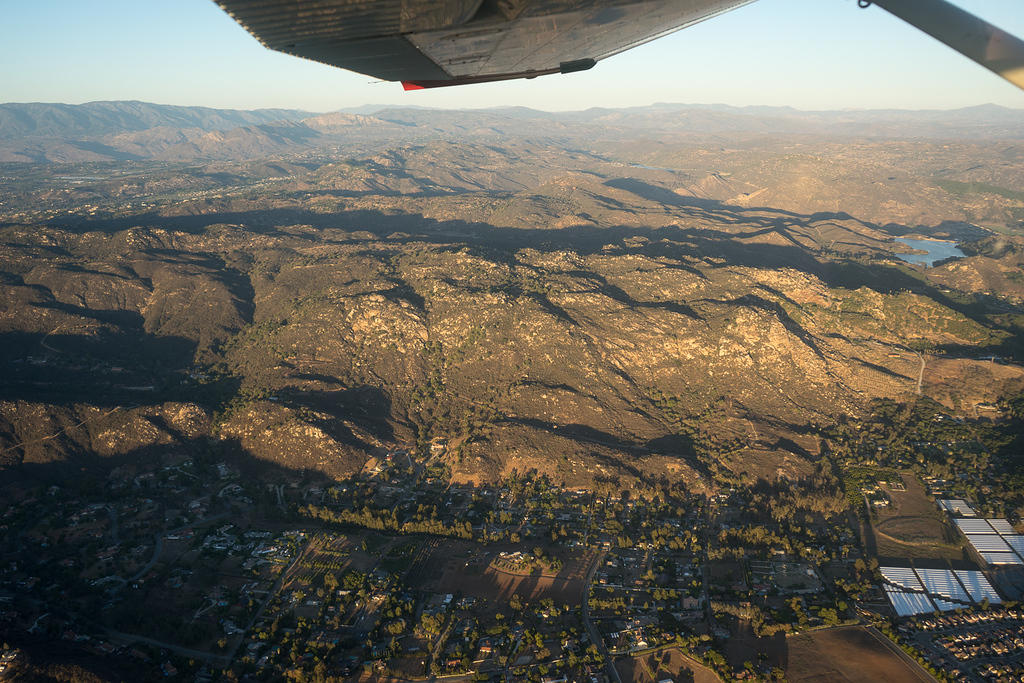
(332, 553)
(851, 654)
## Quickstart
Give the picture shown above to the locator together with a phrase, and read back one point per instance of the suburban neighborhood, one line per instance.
(195, 571)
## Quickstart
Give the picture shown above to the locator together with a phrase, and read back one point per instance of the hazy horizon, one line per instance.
(390, 105)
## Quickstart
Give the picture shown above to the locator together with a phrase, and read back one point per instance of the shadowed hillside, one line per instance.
(507, 306)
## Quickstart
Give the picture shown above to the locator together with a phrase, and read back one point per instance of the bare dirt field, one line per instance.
(744, 645)
(912, 527)
(851, 654)
(658, 666)
(447, 566)
(906, 529)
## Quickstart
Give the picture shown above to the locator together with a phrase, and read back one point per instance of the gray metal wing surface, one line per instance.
(430, 43)
(447, 42)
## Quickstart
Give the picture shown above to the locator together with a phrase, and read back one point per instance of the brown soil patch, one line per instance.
(383, 677)
(912, 527)
(444, 566)
(744, 645)
(851, 654)
(657, 666)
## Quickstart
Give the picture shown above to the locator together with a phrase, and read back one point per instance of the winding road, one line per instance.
(158, 544)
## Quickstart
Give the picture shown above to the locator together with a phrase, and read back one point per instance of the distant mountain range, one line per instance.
(126, 131)
(36, 119)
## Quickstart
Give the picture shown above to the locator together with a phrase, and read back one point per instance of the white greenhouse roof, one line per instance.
(978, 586)
(1002, 526)
(1001, 558)
(974, 526)
(1016, 541)
(907, 604)
(947, 606)
(942, 582)
(988, 543)
(901, 576)
(957, 505)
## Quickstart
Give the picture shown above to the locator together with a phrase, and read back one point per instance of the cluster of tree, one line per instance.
(590, 656)
(431, 624)
(323, 564)
(673, 538)
(533, 490)
(387, 520)
(396, 613)
(551, 562)
(606, 600)
(923, 435)
(438, 412)
(921, 432)
(735, 541)
(814, 498)
(665, 594)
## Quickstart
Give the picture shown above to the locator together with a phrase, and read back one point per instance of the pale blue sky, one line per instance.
(810, 54)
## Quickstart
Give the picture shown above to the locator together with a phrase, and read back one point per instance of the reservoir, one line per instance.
(937, 251)
(655, 168)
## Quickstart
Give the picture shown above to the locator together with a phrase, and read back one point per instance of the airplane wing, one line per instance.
(432, 43)
(971, 36)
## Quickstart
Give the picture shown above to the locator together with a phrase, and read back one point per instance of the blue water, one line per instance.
(654, 168)
(937, 251)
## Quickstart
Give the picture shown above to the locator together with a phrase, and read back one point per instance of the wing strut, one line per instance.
(971, 36)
